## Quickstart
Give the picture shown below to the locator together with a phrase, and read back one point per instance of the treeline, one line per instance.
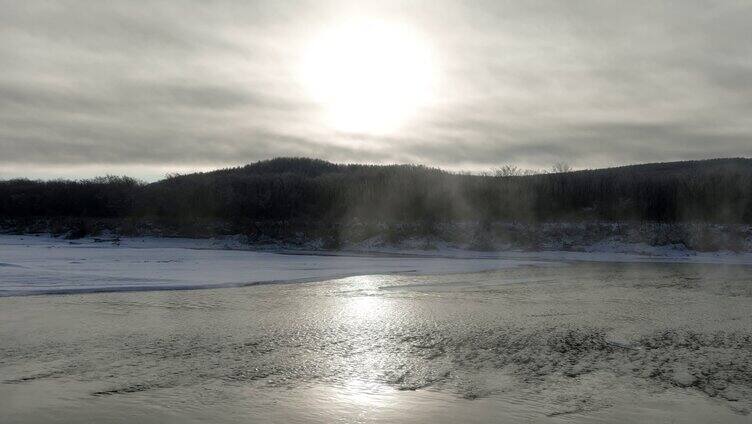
(306, 190)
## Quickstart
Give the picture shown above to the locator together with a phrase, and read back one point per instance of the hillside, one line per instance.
(313, 203)
(717, 190)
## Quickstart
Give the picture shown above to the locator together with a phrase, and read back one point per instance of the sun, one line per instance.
(369, 77)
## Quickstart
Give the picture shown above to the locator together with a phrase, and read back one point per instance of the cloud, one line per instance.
(194, 84)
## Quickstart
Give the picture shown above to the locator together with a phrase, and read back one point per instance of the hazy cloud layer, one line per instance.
(143, 87)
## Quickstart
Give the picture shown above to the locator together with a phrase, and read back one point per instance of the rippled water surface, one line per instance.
(581, 342)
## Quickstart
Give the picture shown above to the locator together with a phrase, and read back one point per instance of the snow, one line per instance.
(607, 251)
(47, 265)
(551, 332)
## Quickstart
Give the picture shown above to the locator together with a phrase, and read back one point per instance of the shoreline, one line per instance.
(598, 252)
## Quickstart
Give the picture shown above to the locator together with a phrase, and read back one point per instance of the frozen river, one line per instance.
(44, 265)
(476, 341)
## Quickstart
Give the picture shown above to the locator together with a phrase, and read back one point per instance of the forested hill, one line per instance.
(308, 190)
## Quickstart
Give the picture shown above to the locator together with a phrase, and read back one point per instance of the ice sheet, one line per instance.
(39, 265)
(45, 265)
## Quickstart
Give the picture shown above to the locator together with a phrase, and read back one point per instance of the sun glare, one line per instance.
(369, 77)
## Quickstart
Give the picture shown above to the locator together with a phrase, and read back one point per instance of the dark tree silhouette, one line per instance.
(307, 190)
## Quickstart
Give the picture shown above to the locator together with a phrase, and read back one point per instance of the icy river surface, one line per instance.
(539, 342)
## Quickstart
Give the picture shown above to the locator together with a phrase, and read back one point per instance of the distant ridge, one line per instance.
(315, 191)
(316, 167)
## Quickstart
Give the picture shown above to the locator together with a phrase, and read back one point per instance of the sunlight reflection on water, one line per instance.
(365, 307)
(486, 347)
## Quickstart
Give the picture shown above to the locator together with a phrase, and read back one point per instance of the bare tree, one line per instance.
(560, 167)
(507, 171)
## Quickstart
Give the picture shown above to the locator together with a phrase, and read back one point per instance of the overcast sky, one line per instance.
(149, 87)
